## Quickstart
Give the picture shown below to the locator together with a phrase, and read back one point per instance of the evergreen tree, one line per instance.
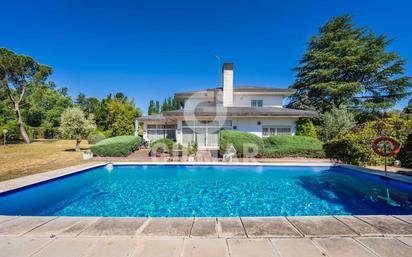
(348, 65)
(165, 105)
(151, 109)
(157, 107)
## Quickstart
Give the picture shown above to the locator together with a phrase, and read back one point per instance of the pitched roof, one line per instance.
(242, 112)
(240, 89)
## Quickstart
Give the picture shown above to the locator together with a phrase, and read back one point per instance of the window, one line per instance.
(276, 131)
(155, 132)
(257, 103)
(206, 133)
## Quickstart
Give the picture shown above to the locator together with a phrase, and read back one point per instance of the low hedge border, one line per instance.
(120, 146)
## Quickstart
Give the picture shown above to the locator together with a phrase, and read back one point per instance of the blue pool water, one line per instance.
(176, 191)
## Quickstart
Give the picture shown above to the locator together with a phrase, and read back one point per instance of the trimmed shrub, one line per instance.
(305, 127)
(292, 146)
(120, 146)
(405, 155)
(239, 140)
(162, 145)
(334, 122)
(95, 137)
(355, 146)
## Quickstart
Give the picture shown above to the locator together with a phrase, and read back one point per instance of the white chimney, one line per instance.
(227, 84)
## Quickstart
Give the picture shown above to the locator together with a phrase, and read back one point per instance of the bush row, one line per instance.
(164, 145)
(120, 146)
(271, 147)
(355, 146)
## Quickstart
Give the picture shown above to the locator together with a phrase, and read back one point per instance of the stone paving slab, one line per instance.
(79, 227)
(251, 248)
(66, 247)
(159, 248)
(269, 227)
(406, 240)
(22, 225)
(387, 247)
(205, 248)
(360, 227)
(230, 227)
(114, 226)
(54, 227)
(113, 247)
(388, 225)
(343, 247)
(21, 246)
(406, 218)
(168, 227)
(320, 226)
(299, 247)
(6, 218)
(204, 227)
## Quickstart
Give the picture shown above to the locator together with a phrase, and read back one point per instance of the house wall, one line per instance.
(239, 100)
(251, 124)
(268, 100)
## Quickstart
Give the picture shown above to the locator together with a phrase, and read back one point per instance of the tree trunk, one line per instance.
(20, 124)
(78, 145)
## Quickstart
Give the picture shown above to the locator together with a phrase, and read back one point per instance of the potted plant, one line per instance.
(192, 151)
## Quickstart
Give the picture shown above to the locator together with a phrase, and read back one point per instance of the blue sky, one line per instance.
(152, 49)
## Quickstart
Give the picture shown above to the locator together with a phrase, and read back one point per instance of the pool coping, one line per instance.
(212, 227)
(12, 185)
(321, 234)
(378, 236)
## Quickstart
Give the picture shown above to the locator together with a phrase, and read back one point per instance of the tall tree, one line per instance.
(17, 74)
(151, 109)
(157, 107)
(165, 105)
(347, 65)
(121, 115)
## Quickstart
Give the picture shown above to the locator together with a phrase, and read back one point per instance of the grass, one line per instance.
(20, 160)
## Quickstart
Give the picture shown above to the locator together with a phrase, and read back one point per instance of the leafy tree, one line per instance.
(334, 122)
(45, 104)
(121, 115)
(347, 65)
(17, 74)
(408, 109)
(75, 125)
(305, 127)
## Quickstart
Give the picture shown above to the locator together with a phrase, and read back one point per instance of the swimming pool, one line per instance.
(211, 191)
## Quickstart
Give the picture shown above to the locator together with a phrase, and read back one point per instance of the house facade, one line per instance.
(253, 109)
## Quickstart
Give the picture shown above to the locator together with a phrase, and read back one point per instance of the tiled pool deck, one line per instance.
(385, 236)
(352, 236)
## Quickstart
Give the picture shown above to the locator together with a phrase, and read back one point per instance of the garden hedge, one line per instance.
(292, 146)
(273, 146)
(120, 146)
(238, 139)
(405, 156)
(355, 146)
(95, 137)
(164, 145)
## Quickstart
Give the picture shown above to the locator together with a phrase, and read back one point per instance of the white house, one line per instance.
(253, 109)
